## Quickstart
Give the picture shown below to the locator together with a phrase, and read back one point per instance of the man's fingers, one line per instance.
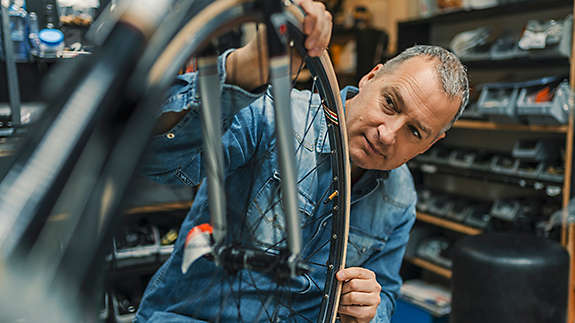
(317, 26)
(360, 298)
(360, 285)
(355, 272)
(320, 35)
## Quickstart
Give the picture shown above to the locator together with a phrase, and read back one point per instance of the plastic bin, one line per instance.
(536, 150)
(497, 102)
(462, 158)
(440, 205)
(529, 169)
(137, 245)
(124, 307)
(459, 210)
(505, 165)
(436, 250)
(552, 107)
(479, 216)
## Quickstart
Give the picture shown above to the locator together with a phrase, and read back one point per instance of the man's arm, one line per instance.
(369, 293)
(247, 67)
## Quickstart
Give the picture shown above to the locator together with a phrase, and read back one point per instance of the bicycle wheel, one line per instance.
(231, 293)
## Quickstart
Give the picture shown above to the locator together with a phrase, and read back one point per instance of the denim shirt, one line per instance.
(382, 203)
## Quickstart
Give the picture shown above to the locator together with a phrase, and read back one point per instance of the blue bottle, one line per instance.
(19, 30)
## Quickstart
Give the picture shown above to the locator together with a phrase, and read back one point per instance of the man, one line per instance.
(399, 110)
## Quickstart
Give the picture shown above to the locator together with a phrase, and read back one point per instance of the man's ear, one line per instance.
(369, 76)
(432, 142)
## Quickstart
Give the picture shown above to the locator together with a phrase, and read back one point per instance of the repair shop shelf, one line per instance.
(518, 62)
(451, 225)
(430, 266)
(486, 125)
(551, 184)
(505, 9)
(162, 207)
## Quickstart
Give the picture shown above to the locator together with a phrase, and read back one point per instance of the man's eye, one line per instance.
(415, 132)
(389, 102)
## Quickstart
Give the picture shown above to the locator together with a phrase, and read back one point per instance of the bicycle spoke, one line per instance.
(308, 127)
(316, 285)
(308, 223)
(316, 251)
(321, 162)
(299, 69)
(263, 309)
(263, 303)
(316, 264)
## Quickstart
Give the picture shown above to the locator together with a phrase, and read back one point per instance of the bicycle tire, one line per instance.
(213, 21)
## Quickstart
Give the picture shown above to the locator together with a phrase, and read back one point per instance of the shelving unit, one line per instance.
(430, 266)
(519, 62)
(487, 125)
(420, 29)
(447, 224)
(439, 30)
(162, 207)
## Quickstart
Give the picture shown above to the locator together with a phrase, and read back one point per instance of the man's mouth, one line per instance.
(373, 149)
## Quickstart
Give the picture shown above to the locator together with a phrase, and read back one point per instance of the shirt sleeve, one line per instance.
(181, 147)
(388, 274)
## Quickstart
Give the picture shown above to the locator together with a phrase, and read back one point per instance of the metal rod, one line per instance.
(281, 83)
(12, 74)
(213, 154)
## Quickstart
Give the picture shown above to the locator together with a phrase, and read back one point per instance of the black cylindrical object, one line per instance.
(502, 278)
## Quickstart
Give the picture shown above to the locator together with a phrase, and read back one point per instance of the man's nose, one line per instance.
(387, 132)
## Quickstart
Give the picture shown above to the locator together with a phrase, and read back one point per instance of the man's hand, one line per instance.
(317, 26)
(359, 296)
(242, 63)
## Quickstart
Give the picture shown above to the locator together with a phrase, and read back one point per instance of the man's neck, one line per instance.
(356, 173)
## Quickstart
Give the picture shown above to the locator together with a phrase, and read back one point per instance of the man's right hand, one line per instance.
(243, 65)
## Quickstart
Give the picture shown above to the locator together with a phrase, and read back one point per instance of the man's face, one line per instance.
(398, 115)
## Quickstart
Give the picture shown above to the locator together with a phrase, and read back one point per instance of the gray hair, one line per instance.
(451, 72)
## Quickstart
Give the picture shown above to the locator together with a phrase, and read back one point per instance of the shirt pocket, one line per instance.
(265, 216)
(361, 247)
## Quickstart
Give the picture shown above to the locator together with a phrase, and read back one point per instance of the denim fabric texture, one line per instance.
(382, 207)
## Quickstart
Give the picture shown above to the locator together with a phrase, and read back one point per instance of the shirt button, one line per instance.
(170, 135)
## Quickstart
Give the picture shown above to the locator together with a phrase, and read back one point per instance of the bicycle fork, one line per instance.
(280, 79)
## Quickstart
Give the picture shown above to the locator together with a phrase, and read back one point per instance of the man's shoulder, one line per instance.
(399, 187)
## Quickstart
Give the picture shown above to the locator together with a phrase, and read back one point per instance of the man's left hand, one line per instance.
(359, 296)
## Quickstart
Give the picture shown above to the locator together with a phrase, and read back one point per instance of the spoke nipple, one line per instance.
(333, 195)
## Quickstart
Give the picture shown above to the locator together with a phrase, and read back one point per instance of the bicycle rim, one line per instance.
(191, 39)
